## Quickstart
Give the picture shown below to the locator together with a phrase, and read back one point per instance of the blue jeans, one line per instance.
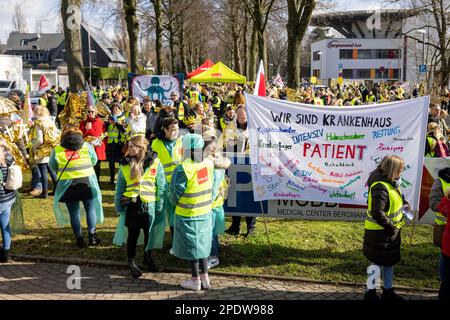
(387, 273)
(43, 170)
(215, 246)
(36, 182)
(444, 269)
(5, 213)
(75, 221)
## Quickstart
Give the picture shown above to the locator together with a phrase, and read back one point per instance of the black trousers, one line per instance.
(199, 267)
(97, 168)
(133, 236)
(236, 222)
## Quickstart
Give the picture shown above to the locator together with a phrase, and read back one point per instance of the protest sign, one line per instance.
(157, 87)
(326, 154)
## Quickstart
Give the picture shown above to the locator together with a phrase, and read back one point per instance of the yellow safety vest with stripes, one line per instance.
(61, 98)
(439, 218)
(80, 164)
(145, 187)
(168, 162)
(181, 112)
(394, 213)
(114, 135)
(195, 96)
(197, 198)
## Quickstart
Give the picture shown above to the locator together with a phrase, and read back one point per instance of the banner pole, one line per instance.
(411, 236)
(265, 227)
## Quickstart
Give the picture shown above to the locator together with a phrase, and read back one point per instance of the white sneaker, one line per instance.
(213, 261)
(205, 282)
(192, 284)
(171, 251)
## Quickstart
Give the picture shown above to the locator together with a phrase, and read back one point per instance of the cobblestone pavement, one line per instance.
(33, 281)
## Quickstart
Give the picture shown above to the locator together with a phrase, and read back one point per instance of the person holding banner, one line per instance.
(191, 192)
(383, 223)
(444, 266)
(440, 185)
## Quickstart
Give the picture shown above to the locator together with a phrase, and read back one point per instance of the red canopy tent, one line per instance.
(205, 66)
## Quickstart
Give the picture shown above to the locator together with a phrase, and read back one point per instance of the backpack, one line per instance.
(14, 178)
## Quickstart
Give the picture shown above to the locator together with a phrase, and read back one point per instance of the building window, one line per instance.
(316, 73)
(316, 56)
(363, 74)
(387, 53)
(347, 73)
(365, 54)
(345, 54)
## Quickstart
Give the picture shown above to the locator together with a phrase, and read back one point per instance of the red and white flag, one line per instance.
(278, 81)
(43, 83)
(260, 85)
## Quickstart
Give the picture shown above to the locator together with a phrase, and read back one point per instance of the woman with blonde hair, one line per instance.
(384, 221)
(44, 136)
(136, 122)
(74, 160)
(138, 199)
(7, 198)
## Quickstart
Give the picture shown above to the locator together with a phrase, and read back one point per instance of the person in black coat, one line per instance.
(382, 246)
(52, 105)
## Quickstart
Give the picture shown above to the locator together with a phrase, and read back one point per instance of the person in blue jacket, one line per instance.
(139, 198)
(191, 192)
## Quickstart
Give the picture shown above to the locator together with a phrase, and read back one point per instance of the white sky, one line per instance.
(48, 10)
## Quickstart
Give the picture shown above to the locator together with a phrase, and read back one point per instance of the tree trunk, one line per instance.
(71, 24)
(299, 16)
(129, 7)
(253, 54)
(159, 33)
(172, 48)
(181, 45)
(245, 44)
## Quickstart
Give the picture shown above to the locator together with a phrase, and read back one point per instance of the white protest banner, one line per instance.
(326, 154)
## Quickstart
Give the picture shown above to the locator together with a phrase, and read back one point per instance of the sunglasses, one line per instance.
(91, 111)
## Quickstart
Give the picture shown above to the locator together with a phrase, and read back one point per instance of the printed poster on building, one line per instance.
(157, 87)
(316, 153)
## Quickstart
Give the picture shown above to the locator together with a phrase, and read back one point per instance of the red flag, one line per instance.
(260, 85)
(43, 83)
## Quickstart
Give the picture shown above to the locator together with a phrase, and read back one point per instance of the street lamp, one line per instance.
(320, 53)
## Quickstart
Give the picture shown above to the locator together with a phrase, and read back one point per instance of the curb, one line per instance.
(120, 264)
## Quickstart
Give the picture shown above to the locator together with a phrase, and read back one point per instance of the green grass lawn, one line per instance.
(311, 249)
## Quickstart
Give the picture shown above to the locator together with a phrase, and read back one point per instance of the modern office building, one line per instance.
(375, 46)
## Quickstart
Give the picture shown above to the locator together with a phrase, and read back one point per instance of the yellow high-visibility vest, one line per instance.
(439, 218)
(114, 135)
(80, 165)
(394, 213)
(144, 188)
(181, 112)
(219, 201)
(168, 162)
(43, 102)
(197, 198)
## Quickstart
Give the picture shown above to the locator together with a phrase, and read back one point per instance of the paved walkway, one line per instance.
(32, 281)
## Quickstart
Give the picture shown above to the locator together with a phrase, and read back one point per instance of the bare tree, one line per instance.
(38, 25)
(19, 22)
(129, 7)
(71, 17)
(299, 16)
